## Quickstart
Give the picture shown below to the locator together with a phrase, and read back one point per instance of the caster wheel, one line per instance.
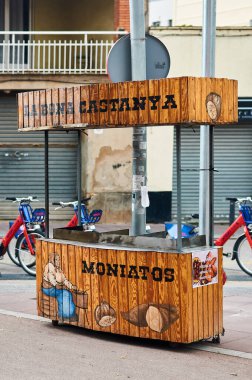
(55, 322)
(216, 339)
(173, 345)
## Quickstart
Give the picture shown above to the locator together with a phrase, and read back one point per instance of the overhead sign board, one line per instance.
(184, 100)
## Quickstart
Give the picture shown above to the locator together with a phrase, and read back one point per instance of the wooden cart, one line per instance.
(169, 294)
(146, 294)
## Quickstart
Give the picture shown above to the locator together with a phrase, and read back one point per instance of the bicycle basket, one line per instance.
(246, 213)
(26, 212)
(38, 215)
(95, 216)
(187, 230)
(84, 214)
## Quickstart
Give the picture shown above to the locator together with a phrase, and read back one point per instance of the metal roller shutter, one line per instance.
(22, 163)
(232, 158)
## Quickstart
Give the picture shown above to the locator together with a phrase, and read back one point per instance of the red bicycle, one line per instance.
(88, 220)
(28, 226)
(27, 258)
(242, 251)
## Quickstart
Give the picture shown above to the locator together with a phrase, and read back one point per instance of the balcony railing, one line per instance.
(55, 52)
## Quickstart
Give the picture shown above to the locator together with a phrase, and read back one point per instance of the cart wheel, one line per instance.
(216, 339)
(173, 345)
(55, 322)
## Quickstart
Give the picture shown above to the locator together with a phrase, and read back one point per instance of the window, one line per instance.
(14, 16)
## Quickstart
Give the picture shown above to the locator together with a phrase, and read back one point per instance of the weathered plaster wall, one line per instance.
(107, 172)
(107, 164)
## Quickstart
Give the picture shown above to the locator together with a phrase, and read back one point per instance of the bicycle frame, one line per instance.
(23, 216)
(238, 223)
(11, 232)
(73, 222)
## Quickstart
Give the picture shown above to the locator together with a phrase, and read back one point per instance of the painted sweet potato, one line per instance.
(161, 317)
(137, 315)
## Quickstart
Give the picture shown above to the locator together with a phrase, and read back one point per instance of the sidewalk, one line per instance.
(18, 294)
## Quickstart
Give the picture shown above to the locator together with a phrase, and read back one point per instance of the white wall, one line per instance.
(159, 158)
(228, 12)
(233, 53)
(161, 11)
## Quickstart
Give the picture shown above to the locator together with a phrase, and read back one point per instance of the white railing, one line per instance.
(55, 52)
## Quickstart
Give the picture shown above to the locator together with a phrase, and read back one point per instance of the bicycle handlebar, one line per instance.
(69, 204)
(20, 200)
(241, 200)
(86, 199)
(64, 204)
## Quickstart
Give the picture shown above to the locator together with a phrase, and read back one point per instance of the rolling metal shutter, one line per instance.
(232, 159)
(22, 164)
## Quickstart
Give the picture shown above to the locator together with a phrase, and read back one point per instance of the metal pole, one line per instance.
(178, 157)
(139, 155)
(208, 70)
(211, 184)
(79, 177)
(46, 186)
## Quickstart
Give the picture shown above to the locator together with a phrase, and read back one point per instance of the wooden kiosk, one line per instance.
(138, 286)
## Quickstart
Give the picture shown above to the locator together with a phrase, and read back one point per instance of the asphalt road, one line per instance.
(37, 350)
(32, 348)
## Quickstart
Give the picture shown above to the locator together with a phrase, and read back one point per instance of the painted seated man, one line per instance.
(55, 284)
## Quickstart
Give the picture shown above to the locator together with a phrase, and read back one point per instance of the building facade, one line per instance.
(58, 44)
(45, 44)
(189, 13)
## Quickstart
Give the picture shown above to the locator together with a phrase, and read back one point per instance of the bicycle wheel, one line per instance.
(26, 259)
(11, 251)
(243, 254)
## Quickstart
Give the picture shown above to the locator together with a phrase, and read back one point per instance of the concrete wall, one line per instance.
(73, 15)
(107, 168)
(107, 172)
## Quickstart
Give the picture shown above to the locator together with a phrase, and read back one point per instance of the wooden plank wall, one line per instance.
(153, 102)
(135, 297)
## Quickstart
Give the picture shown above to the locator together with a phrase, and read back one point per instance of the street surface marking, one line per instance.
(24, 315)
(194, 346)
(222, 351)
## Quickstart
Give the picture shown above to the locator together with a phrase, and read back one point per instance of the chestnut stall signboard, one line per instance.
(184, 100)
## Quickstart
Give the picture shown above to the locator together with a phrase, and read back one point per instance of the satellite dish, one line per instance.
(119, 59)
